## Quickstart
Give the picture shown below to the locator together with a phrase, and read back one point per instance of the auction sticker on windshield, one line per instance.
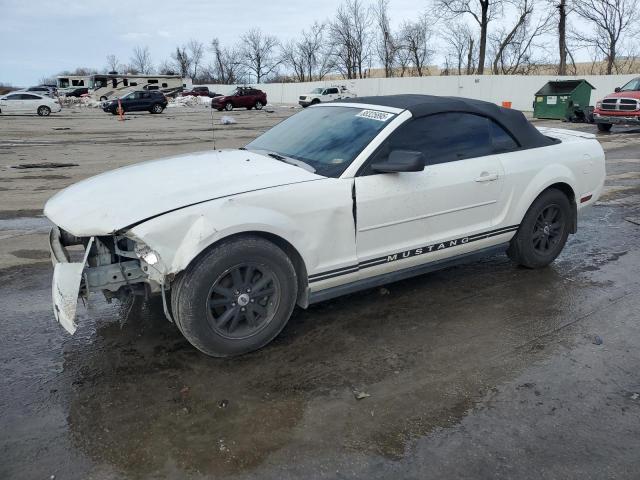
(375, 115)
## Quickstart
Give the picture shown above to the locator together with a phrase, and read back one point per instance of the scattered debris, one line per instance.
(383, 291)
(634, 220)
(24, 166)
(223, 403)
(227, 120)
(184, 390)
(360, 395)
(635, 396)
(597, 340)
(269, 111)
(61, 128)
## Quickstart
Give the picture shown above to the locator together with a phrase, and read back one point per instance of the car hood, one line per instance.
(626, 94)
(115, 200)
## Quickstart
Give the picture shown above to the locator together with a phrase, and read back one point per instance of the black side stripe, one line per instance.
(393, 257)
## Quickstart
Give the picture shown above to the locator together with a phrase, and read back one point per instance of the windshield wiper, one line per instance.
(289, 160)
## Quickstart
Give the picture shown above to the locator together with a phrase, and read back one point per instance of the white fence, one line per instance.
(519, 90)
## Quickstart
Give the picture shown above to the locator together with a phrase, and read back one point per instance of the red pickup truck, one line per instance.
(619, 108)
(241, 97)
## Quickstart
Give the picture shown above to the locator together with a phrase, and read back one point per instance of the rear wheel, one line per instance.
(228, 106)
(543, 231)
(604, 127)
(103, 98)
(258, 105)
(236, 298)
(44, 111)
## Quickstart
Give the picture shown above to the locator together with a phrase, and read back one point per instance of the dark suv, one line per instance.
(138, 101)
(77, 92)
(247, 97)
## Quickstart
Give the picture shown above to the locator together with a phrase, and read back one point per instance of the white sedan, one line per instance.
(28, 102)
(337, 198)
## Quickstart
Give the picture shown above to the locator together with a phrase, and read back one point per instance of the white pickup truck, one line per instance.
(328, 94)
(337, 198)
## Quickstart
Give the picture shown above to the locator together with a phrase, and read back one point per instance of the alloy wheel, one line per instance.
(548, 229)
(243, 300)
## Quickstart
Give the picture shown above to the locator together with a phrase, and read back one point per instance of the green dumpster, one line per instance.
(562, 99)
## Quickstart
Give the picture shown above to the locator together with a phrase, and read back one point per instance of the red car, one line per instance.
(619, 108)
(247, 97)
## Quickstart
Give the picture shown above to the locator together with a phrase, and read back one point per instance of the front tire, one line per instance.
(604, 127)
(236, 297)
(44, 111)
(543, 231)
(157, 108)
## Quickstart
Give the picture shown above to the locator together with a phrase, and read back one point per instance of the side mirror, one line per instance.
(401, 161)
(617, 89)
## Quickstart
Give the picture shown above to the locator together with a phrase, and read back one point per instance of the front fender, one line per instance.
(315, 218)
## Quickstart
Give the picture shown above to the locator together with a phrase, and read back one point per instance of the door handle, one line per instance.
(487, 177)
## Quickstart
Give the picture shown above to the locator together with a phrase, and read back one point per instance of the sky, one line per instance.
(40, 38)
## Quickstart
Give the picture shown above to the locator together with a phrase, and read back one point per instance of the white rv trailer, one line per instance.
(112, 85)
(104, 87)
(67, 83)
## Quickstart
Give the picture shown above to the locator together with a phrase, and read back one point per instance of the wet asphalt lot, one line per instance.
(485, 370)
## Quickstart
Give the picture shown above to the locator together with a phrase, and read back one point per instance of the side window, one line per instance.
(146, 95)
(333, 90)
(114, 83)
(164, 85)
(13, 97)
(26, 96)
(134, 84)
(125, 82)
(443, 137)
(502, 141)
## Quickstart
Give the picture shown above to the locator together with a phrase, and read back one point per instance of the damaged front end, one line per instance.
(115, 265)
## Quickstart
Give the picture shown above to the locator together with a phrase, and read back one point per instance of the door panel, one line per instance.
(400, 211)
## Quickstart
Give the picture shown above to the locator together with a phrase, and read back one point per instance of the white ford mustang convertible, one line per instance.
(337, 198)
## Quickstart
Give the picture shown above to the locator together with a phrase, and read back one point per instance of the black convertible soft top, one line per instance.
(422, 105)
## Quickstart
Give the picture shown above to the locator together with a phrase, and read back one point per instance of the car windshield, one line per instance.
(231, 93)
(632, 85)
(325, 138)
(316, 90)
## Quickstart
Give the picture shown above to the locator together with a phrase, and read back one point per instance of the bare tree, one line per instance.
(226, 68)
(415, 38)
(610, 21)
(293, 57)
(351, 38)
(482, 12)
(386, 47)
(561, 6)
(195, 51)
(167, 67)
(460, 45)
(182, 61)
(317, 54)
(141, 60)
(258, 53)
(514, 47)
(112, 63)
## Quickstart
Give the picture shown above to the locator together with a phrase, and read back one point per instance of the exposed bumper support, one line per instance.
(67, 277)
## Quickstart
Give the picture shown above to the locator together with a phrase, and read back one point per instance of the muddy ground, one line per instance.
(481, 371)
